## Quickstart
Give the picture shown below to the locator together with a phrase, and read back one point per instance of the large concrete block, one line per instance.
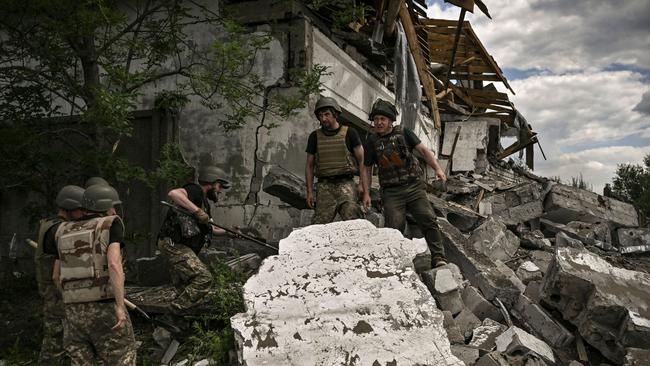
(516, 340)
(540, 322)
(482, 308)
(485, 335)
(453, 332)
(467, 322)
(478, 268)
(447, 292)
(582, 235)
(494, 240)
(519, 204)
(608, 305)
(344, 292)
(633, 240)
(564, 204)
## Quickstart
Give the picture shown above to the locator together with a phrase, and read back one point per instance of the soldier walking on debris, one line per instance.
(331, 154)
(68, 201)
(183, 236)
(91, 278)
(400, 176)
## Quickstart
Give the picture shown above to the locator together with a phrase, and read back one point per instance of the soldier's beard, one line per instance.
(211, 195)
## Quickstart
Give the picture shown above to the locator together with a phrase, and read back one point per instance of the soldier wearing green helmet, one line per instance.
(69, 203)
(89, 272)
(183, 236)
(334, 156)
(390, 148)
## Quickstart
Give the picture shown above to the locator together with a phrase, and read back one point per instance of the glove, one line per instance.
(201, 216)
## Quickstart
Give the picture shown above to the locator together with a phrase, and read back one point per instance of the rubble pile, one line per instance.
(539, 273)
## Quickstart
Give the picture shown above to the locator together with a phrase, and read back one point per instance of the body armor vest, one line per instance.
(44, 262)
(183, 229)
(397, 164)
(333, 157)
(83, 249)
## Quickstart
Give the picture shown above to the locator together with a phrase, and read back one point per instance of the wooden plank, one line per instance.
(416, 51)
(487, 93)
(478, 69)
(442, 22)
(489, 58)
(475, 77)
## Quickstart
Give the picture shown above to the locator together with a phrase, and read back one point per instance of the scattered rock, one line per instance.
(540, 322)
(534, 240)
(453, 332)
(517, 341)
(467, 321)
(633, 240)
(467, 354)
(494, 240)
(528, 271)
(485, 335)
(482, 308)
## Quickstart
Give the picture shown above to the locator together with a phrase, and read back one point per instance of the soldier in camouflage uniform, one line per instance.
(68, 200)
(400, 176)
(90, 274)
(183, 236)
(333, 154)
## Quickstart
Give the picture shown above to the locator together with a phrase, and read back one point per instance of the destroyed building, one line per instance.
(538, 272)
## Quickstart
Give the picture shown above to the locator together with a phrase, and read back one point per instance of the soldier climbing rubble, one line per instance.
(89, 273)
(400, 176)
(182, 237)
(333, 154)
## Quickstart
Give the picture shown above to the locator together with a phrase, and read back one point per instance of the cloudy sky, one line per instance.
(581, 71)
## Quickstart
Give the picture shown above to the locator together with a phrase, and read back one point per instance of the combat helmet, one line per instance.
(99, 198)
(70, 197)
(327, 102)
(96, 180)
(212, 174)
(383, 108)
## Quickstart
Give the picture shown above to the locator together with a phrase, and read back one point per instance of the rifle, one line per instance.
(236, 233)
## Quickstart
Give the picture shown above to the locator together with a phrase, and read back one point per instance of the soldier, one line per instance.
(333, 154)
(68, 201)
(183, 236)
(400, 176)
(90, 274)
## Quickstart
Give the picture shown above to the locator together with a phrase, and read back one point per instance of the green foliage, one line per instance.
(632, 184)
(579, 182)
(212, 336)
(342, 12)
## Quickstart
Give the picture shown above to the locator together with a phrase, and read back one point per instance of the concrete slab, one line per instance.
(555, 228)
(494, 240)
(467, 322)
(635, 240)
(482, 308)
(485, 335)
(541, 323)
(453, 332)
(516, 340)
(564, 204)
(344, 292)
(478, 268)
(608, 305)
(518, 204)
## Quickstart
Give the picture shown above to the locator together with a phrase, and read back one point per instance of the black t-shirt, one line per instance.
(195, 194)
(116, 235)
(352, 140)
(370, 156)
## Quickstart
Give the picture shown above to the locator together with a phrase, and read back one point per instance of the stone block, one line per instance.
(482, 308)
(511, 275)
(519, 204)
(422, 260)
(636, 357)
(478, 268)
(485, 335)
(288, 187)
(517, 341)
(465, 353)
(461, 217)
(608, 305)
(152, 271)
(450, 301)
(534, 240)
(556, 228)
(494, 240)
(541, 259)
(453, 332)
(564, 204)
(540, 322)
(467, 321)
(633, 240)
(528, 271)
(532, 291)
(337, 292)
(598, 231)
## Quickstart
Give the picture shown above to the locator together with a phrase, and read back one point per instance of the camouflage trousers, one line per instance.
(334, 197)
(189, 275)
(87, 335)
(52, 352)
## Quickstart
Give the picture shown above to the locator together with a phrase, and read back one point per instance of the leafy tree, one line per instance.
(632, 184)
(94, 59)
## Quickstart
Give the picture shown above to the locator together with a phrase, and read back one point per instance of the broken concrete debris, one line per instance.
(564, 204)
(517, 341)
(494, 240)
(485, 335)
(337, 292)
(288, 187)
(608, 305)
(633, 240)
(528, 271)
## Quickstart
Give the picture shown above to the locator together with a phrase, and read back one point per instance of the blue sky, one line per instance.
(581, 73)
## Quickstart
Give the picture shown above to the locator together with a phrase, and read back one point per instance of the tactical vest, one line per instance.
(44, 262)
(397, 165)
(184, 229)
(332, 156)
(83, 249)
